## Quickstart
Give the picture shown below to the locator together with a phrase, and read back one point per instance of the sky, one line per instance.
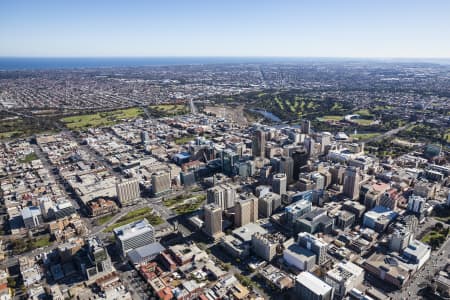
(279, 28)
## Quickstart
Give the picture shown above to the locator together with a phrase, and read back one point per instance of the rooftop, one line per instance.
(133, 229)
(313, 283)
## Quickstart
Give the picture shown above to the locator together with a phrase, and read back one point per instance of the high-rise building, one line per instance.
(306, 126)
(246, 210)
(314, 244)
(287, 167)
(416, 204)
(351, 183)
(319, 180)
(259, 143)
(300, 157)
(161, 182)
(223, 195)
(310, 145)
(337, 174)
(99, 260)
(144, 137)
(308, 286)
(325, 140)
(265, 245)
(213, 220)
(229, 160)
(127, 191)
(133, 235)
(279, 183)
(268, 203)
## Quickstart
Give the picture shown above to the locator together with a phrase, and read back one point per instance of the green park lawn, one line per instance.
(100, 119)
(365, 136)
(137, 215)
(330, 118)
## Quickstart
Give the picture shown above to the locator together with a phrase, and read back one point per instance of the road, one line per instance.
(389, 133)
(192, 106)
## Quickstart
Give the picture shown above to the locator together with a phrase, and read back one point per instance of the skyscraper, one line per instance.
(246, 210)
(145, 139)
(279, 183)
(259, 143)
(306, 126)
(300, 158)
(100, 262)
(213, 220)
(229, 159)
(127, 191)
(223, 195)
(161, 182)
(351, 183)
(287, 167)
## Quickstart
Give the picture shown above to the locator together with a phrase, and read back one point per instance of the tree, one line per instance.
(438, 226)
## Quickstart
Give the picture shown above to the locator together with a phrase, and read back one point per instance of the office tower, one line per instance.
(268, 203)
(128, 191)
(315, 245)
(337, 174)
(287, 167)
(144, 137)
(325, 140)
(416, 204)
(310, 146)
(133, 235)
(246, 210)
(279, 183)
(213, 220)
(46, 205)
(308, 286)
(99, 260)
(300, 157)
(351, 183)
(161, 182)
(319, 180)
(229, 159)
(306, 126)
(259, 143)
(223, 195)
(32, 217)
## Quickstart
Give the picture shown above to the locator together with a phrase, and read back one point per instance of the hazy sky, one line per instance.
(317, 28)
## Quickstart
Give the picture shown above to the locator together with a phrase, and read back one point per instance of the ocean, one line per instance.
(36, 63)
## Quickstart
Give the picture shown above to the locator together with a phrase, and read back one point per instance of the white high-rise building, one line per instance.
(246, 210)
(161, 182)
(279, 183)
(213, 220)
(224, 195)
(133, 235)
(128, 191)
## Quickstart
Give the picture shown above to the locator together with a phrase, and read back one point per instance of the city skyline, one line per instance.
(404, 29)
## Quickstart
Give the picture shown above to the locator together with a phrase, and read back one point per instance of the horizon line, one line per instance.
(229, 56)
